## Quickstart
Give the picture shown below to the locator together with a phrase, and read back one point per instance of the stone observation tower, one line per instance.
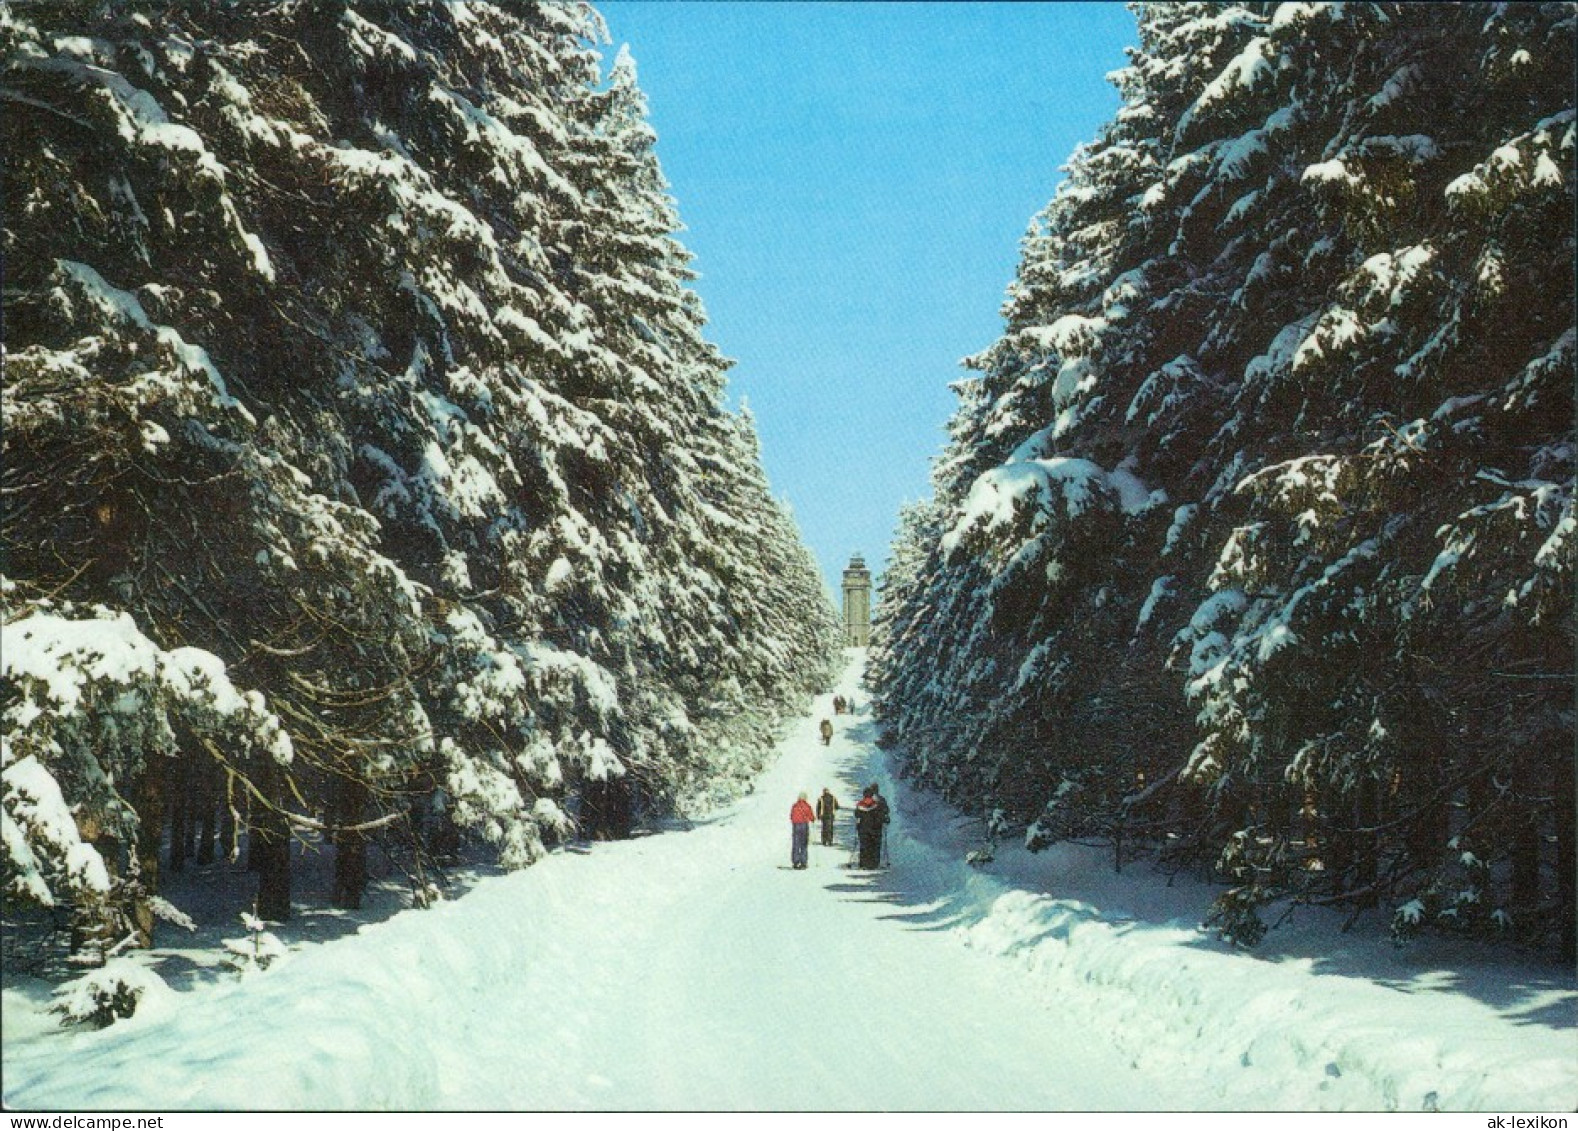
(857, 603)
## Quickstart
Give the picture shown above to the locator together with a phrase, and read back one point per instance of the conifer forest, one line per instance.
(366, 468)
(1253, 540)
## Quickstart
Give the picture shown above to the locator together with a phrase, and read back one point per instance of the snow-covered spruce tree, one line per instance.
(773, 588)
(1257, 531)
(897, 617)
(730, 619)
(91, 702)
(347, 345)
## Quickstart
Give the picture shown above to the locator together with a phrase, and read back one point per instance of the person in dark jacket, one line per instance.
(826, 810)
(882, 803)
(826, 730)
(800, 818)
(869, 813)
(883, 817)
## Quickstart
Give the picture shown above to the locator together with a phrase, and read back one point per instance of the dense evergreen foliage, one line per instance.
(366, 470)
(1254, 539)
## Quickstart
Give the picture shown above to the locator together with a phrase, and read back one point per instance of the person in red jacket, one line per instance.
(800, 818)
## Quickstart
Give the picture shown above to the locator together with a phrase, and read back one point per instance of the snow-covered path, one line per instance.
(722, 979)
(696, 971)
(686, 971)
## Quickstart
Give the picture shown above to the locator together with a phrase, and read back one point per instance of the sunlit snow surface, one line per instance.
(694, 970)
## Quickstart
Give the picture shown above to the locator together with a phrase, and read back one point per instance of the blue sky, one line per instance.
(854, 179)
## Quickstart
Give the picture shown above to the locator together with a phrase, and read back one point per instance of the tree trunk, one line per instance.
(621, 808)
(1427, 836)
(269, 855)
(350, 848)
(1566, 856)
(150, 803)
(207, 816)
(606, 809)
(1367, 811)
(1526, 863)
(1339, 847)
(227, 819)
(180, 805)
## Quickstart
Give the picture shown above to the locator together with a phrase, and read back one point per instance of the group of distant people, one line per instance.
(841, 706)
(871, 811)
(871, 821)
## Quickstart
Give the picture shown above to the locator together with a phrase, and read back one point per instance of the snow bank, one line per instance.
(1316, 1022)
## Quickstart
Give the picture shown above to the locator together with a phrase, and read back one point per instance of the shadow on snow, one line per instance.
(930, 887)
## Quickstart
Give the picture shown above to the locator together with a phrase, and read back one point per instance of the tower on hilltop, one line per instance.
(857, 603)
